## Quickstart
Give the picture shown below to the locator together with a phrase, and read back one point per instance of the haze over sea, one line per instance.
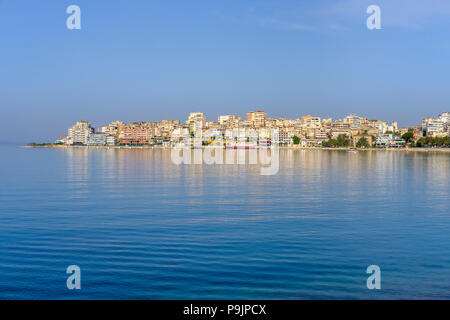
(141, 227)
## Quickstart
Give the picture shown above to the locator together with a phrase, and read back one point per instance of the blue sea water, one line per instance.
(142, 227)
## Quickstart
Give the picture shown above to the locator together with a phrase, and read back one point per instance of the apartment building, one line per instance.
(78, 133)
(340, 127)
(353, 121)
(96, 139)
(256, 118)
(196, 117)
(229, 121)
(113, 127)
(389, 140)
(111, 140)
(136, 133)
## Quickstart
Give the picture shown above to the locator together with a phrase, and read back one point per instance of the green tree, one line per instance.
(329, 143)
(296, 140)
(433, 142)
(342, 141)
(363, 143)
(408, 136)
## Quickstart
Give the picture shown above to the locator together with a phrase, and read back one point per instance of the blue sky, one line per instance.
(153, 60)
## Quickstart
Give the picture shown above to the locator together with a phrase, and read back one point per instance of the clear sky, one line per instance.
(153, 60)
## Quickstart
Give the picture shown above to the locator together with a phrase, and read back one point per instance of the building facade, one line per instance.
(79, 132)
(96, 139)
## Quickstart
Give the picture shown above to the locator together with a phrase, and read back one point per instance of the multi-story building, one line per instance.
(256, 118)
(445, 117)
(179, 134)
(96, 139)
(313, 123)
(393, 126)
(389, 140)
(433, 127)
(169, 124)
(354, 121)
(275, 136)
(111, 140)
(212, 125)
(197, 127)
(196, 117)
(230, 121)
(285, 137)
(403, 131)
(417, 131)
(136, 133)
(103, 129)
(374, 123)
(320, 134)
(165, 128)
(305, 118)
(264, 137)
(439, 127)
(78, 133)
(113, 127)
(340, 127)
(327, 122)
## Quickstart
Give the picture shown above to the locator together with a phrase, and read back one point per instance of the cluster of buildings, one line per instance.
(258, 128)
(437, 128)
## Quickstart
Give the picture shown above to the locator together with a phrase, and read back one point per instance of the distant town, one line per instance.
(258, 129)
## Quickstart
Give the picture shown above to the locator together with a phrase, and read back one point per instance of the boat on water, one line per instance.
(352, 150)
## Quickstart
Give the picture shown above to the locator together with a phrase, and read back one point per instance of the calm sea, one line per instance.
(141, 227)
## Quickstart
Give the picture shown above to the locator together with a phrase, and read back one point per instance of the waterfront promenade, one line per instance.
(412, 149)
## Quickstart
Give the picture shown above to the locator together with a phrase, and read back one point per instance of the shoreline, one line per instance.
(415, 149)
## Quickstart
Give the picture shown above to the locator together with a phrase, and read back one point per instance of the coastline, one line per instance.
(415, 149)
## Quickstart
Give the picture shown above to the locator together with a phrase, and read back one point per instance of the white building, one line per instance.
(194, 117)
(389, 140)
(179, 134)
(445, 117)
(96, 139)
(79, 132)
(354, 121)
(313, 123)
(434, 127)
(229, 118)
(286, 137)
(113, 127)
(111, 140)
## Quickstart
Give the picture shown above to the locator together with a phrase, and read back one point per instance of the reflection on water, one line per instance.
(140, 226)
(377, 172)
